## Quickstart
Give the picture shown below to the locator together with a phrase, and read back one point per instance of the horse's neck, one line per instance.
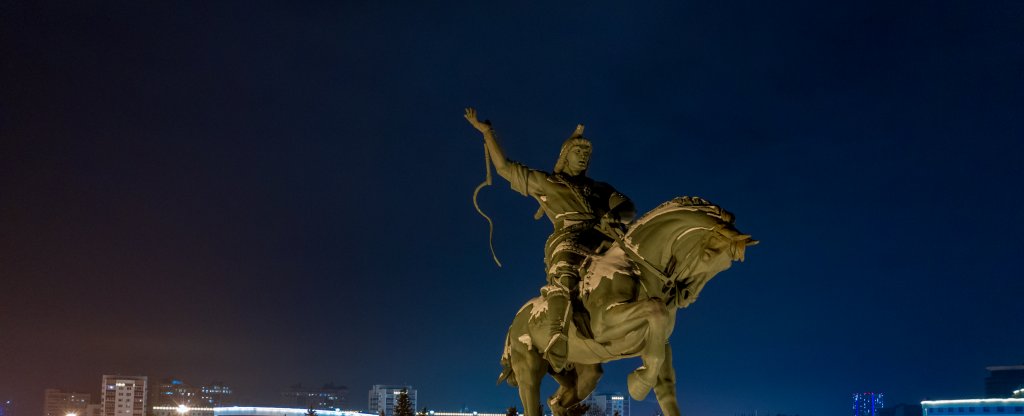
(649, 284)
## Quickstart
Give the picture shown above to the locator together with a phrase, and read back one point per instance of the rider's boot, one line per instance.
(557, 350)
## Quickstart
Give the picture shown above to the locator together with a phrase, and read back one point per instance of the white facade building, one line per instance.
(124, 395)
(973, 407)
(384, 397)
(609, 403)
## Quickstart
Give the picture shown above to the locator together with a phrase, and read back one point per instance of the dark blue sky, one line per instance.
(267, 193)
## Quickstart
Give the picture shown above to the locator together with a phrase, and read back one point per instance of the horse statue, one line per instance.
(631, 293)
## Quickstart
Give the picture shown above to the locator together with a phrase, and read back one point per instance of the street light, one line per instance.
(71, 414)
(182, 409)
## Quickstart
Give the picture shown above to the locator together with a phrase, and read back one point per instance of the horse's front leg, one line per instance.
(659, 325)
(665, 389)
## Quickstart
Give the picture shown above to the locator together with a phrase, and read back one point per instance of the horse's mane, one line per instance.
(697, 202)
(673, 237)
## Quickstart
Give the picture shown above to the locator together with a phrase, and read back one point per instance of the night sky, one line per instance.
(267, 193)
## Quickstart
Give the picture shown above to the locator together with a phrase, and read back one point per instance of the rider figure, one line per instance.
(585, 214)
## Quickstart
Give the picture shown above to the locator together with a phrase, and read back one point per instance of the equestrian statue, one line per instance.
(613, 282)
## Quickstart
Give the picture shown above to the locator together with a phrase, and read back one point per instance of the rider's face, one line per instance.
(577, 160)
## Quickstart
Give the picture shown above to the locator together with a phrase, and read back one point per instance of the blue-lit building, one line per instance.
(867, 404)
(973, 407)
(902, 409)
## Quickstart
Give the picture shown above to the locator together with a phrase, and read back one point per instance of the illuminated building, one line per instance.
(976, 407)
(124, 395)
(280, 411)
(6, 408)
(1002, 381)
(609, 403)
(216, 394)
(383, 398)
(180, 410)
(328, 397)
(60, 403)
(867, 404)
(172, 392)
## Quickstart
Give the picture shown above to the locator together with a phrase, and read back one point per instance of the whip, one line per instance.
(487, 182)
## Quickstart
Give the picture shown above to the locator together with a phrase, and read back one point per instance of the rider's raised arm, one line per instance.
(501, 164)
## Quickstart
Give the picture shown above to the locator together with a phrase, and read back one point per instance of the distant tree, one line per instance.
(382, 413)
(617, 413)
(595, 411)
(512, 411)
(311, 411)
(403, 406)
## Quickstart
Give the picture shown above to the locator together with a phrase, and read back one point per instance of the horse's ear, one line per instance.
(742, 241)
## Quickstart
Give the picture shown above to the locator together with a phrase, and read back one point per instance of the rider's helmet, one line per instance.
(576, 139)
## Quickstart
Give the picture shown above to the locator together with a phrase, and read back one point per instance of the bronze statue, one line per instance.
(635, 275)
(586, 215)
(632, 292)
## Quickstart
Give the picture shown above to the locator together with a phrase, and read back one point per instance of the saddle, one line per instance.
(603, 264)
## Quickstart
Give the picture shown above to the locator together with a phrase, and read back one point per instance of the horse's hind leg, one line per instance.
(565, 395)
(586, 379)
(574, 386)
(529, 368)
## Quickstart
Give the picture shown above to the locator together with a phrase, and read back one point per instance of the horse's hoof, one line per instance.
(638, 387)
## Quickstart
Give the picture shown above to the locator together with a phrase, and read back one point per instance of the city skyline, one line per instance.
(266, 193)
(171, 395)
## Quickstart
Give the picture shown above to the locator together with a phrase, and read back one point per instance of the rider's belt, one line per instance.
(575, 222)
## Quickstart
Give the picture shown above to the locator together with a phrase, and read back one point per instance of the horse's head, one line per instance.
(685, 242)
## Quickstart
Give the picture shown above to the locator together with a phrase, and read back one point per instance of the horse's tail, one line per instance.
(507, 374)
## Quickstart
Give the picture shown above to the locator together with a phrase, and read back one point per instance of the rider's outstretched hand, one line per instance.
(482, 126)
